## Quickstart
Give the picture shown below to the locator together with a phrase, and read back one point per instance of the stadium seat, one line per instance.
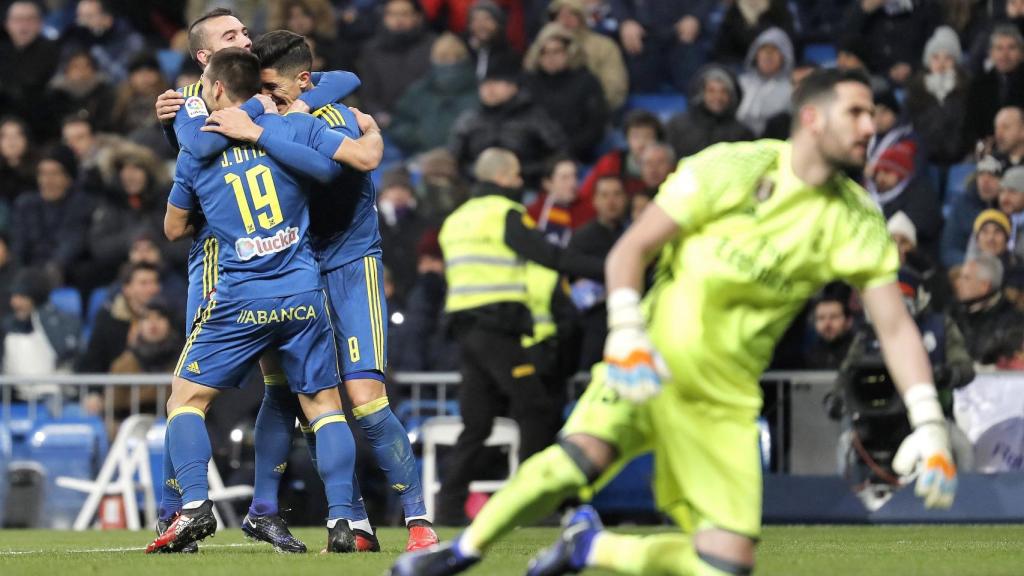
(170, 63)
(23, 420)
(69, 450)
(664, 106)
(821, 54)
(444, 431)
(97, 298)
(956, 185)
(67, 300)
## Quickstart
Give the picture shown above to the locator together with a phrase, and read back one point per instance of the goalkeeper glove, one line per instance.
(634, 368)
(926, 451)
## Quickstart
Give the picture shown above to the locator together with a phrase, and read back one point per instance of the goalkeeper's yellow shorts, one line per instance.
(707, 462)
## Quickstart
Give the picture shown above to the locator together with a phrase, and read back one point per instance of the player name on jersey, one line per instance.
(238, 154)
(274, 316)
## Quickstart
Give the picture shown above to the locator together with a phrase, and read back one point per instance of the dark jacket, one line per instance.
(697, 128)
(398, 244)
(939, 125)
(426, 112)
(424, 344)
(988, 93)
(822, 355)
(35, 240)
(518, 125)
(113, 50)
(992, 327)
(593, 239)
(389, 64)
(64, 99)
(25, 73)
(921, 203)
(892, 38)
(574, 100)
(735, 35)
(116, 224)
(109, 337)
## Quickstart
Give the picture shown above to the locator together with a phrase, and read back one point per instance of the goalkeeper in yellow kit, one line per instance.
(744, 234)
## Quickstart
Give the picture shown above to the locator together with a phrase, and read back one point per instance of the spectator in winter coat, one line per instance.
(1002, 85)
(710, 116)
(744, 21)
(396, 56)
(833, 333)
(602, 55)
(426, 343)
(426, 112)
(661, 41)
(27, 62)
(79, 87)
(765, 81)
(894, 31)
(982, 194)
(559, 81)
(118, 322)
(895, 188)
(486, 37)
(110, 40)
(993, 329)
(937, 99)
(17, 161)
(506, 118)
(153, 348)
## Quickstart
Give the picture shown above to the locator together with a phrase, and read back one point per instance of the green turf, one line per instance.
(787, 550)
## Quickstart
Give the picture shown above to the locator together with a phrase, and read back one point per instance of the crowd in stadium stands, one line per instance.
(598, 98)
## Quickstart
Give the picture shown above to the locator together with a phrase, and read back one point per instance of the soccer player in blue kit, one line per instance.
(347, 241)
(187, 111)
(268, 296)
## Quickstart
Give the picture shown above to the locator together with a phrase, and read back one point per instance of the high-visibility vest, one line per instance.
(479, 267)
(540, 285)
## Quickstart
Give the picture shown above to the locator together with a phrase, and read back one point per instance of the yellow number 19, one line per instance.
(265, 198)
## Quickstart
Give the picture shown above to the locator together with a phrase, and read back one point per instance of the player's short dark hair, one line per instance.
(284, 51)
(196, 37)
(551, 164)
(643, 118)
(129, 271)
(821, 84)
(238, 70)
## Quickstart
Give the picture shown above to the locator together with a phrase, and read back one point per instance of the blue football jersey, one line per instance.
(257, 210)
(344, 223)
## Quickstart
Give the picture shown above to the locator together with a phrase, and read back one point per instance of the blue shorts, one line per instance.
(202, 277)
(360, 315)
(229, 337)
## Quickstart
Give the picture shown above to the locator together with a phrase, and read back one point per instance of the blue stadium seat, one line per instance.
(95, 423)
(664, 106)
(97, 298)
(170, 63)
(23, 420)
(820, 54)
(67, 300)
(64, 449)
(956, 181)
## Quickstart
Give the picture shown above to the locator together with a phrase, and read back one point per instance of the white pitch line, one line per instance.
(108, 550)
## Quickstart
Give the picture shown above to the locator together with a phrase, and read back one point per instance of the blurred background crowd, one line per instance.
(599, 99)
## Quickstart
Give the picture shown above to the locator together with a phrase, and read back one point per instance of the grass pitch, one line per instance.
(785, 550)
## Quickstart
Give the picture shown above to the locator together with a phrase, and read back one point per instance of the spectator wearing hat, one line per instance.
(937, 99)
(710, 116)
(27, 61)
(891, 129)
(992, 327)
(426, 112)
(1009, 136)
(1011, 203)
(49, 226)
(743, 22)
(133, 109)
(486, 36)
(894, 187)
(895, 32)
(153, 348)
(505, 21)
(400, 228)
(424, 343)
(982, 194)
(661, 41)
(601, 54)
(117, 323)
(508, 118)
(395, 57)
(111, 40)
(38, 338)
(1000, 86)
(765, 80)
(993, 234)
(557, 78)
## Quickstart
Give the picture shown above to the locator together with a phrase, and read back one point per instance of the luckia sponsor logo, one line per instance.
(249, 248)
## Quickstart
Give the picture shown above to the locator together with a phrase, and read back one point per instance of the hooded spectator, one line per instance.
(765, 81)
(506, 118)
(55, 206)
(425, 114)
(894, 187)
(710, 116)
(133, 203)
(38, 338)
(999, 86)
(982, 194)
(17, 160)
(27, 62)
(507, 19)
(395, 57)
(486, 36)
(111, 40)
(602, 55)
(895, 32)
(642, 129)
(79, 87)
(937, 99)
(559, 81)
(744, 21)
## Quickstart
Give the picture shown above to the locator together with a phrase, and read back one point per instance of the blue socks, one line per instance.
(189, 447)
(335, 455)
(273, 439)
(391, 445)
(170, 497)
